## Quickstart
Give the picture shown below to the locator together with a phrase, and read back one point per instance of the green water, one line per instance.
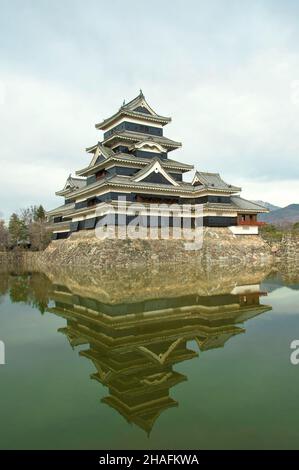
(200, 368)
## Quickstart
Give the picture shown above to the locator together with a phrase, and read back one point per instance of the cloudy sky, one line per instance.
(226, 71)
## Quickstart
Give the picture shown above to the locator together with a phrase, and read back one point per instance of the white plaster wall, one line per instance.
(244, 229)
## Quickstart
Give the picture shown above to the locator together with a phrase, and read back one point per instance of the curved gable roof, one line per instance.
(154, 167)
(71, 185)
(139, 108)
(213, 180)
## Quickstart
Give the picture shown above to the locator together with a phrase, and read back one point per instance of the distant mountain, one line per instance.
(269, 206)
(283, 216)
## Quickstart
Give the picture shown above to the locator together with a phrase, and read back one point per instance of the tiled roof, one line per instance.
(64, 208)
(139, 137)
(78, 182)
(139, 161)
(106, 151)
(71, 184)
(128, 180)
(213, 180)
(218, 206)
(247, 205)
(140, 101)
(155, 163)
(164, 162)
(186, 187)
(130, 109)
(237, 203)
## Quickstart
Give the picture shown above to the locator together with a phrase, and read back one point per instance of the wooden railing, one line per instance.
(251, 223)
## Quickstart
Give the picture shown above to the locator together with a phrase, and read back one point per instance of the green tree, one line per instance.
(296, 226)
(271, 233)
(40, 213)
(17, 229)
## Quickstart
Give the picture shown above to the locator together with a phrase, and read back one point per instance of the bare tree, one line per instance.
(39, 235)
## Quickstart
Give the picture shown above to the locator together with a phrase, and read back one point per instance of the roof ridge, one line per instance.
(140, 95)
(207, 173)
(249, 200)
(214, 180)
(164, 161)
(143, 136)
(75, 178)
(147, 116)
(254, 204)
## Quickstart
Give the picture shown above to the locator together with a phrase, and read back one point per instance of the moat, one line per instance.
(142, 360)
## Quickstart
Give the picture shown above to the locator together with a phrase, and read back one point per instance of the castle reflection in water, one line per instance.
(135, 345)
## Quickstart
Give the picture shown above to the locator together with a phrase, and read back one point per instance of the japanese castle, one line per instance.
(132, 164)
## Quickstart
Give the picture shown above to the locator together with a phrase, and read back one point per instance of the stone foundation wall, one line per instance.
(220, 247)
(289, 247)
